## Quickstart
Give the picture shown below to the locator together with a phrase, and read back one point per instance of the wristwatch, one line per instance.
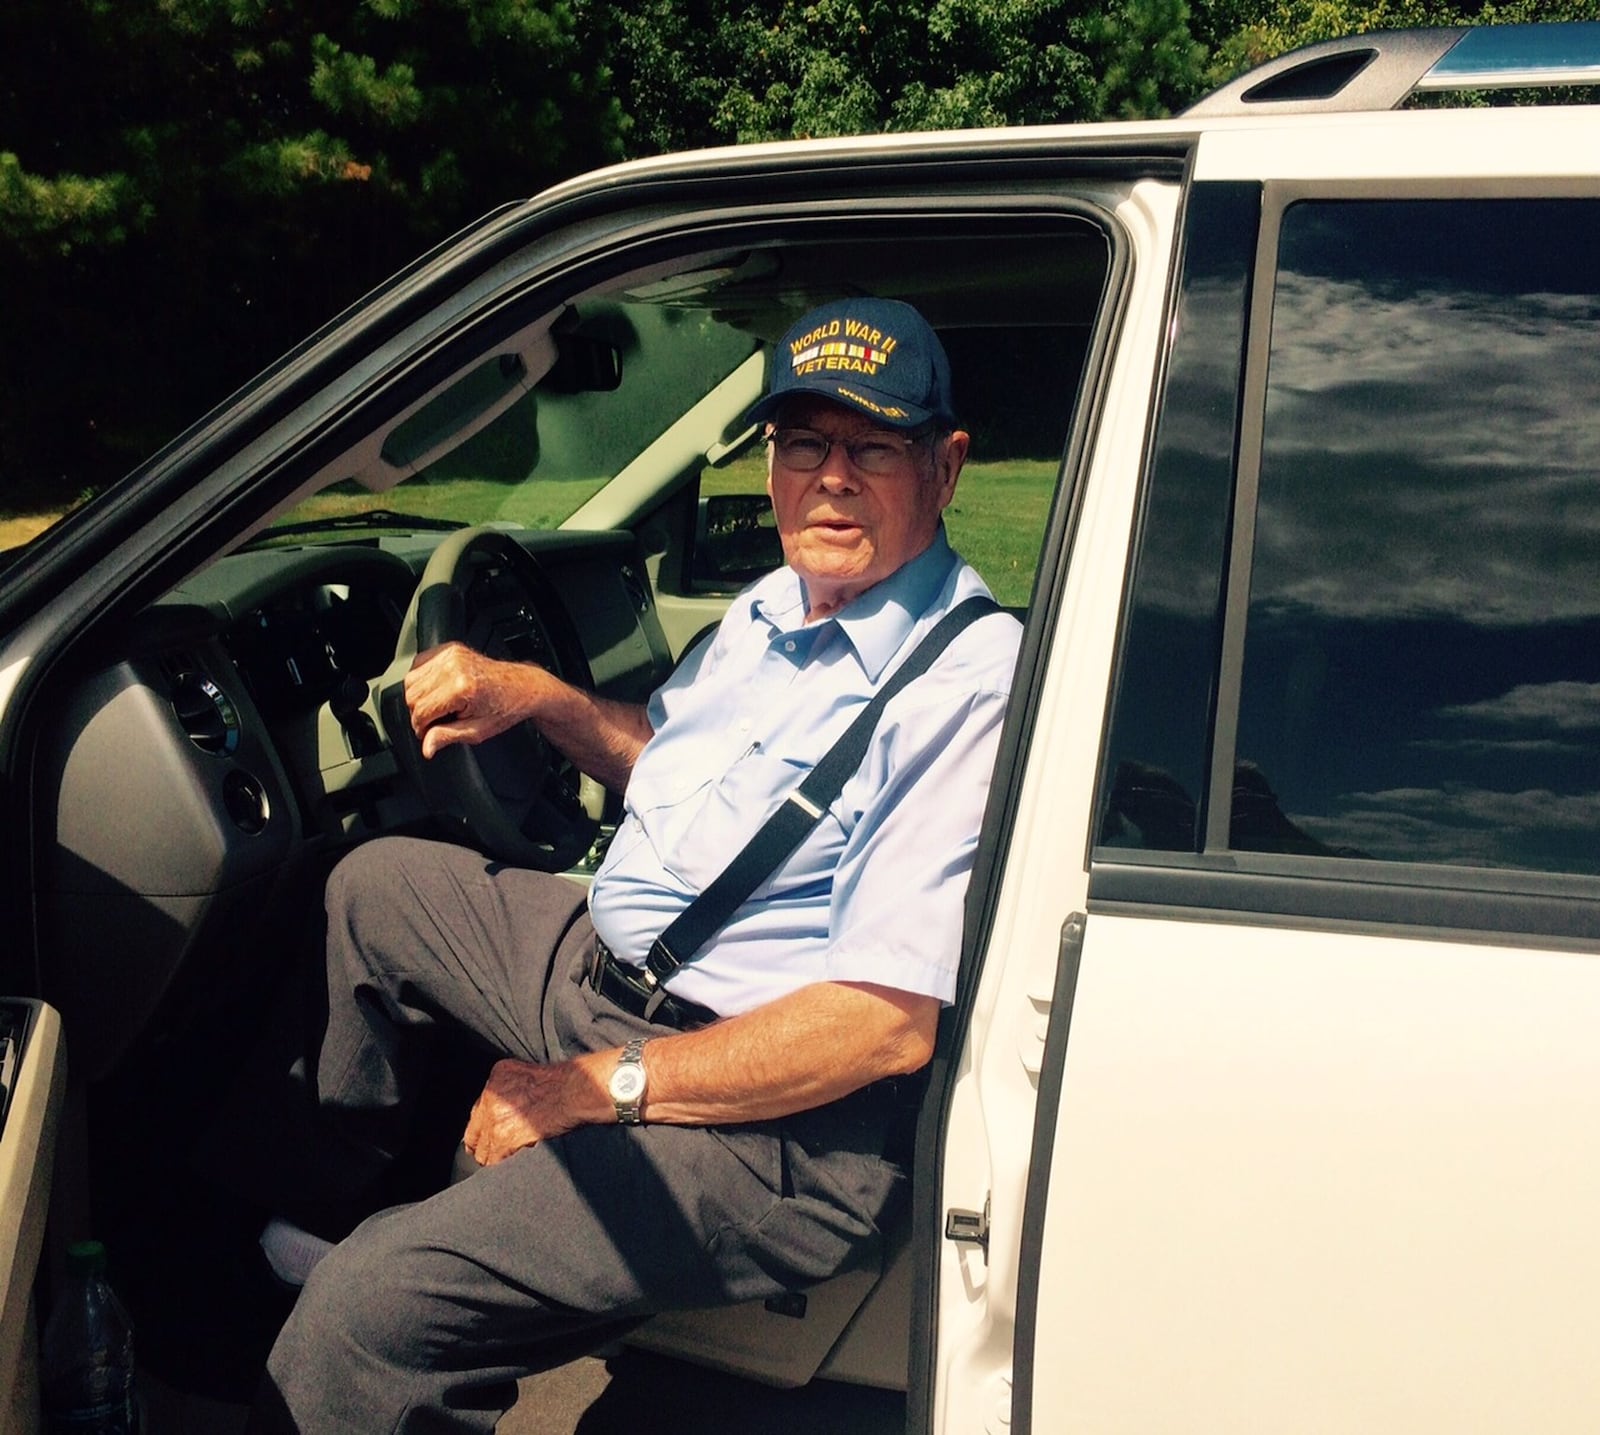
(627, 1084)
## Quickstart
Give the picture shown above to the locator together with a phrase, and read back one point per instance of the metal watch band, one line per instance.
(628, 1084)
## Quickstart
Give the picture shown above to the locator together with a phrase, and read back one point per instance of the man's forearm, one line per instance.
(597, 735)
(801, 1051)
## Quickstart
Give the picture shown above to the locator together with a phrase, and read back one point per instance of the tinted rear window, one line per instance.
(1421, 674)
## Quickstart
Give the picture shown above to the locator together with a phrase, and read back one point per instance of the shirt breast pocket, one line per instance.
(701, 834)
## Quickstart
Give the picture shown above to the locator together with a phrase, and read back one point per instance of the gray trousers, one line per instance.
(425, 1316)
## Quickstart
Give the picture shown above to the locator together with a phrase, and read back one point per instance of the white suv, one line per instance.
(1271, 1100)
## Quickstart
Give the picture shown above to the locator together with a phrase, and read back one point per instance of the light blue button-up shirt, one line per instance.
(876, 892)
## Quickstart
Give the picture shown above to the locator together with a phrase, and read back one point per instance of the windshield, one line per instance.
(549, 448)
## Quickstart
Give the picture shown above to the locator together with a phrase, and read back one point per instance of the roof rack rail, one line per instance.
(1381, 70)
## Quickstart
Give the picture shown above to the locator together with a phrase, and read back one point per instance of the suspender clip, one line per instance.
(660, 963)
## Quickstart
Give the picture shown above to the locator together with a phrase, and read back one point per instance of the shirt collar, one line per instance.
(878, 622)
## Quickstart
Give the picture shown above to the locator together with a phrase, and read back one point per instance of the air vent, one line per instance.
(246, 801)
(175, 664)
(206, 714)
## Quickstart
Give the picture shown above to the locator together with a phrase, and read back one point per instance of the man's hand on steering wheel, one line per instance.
(486, 634)
(456, 694)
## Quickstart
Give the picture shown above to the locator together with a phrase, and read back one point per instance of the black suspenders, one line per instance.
(800, 812)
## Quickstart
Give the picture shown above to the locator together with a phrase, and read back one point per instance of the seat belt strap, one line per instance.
(801, 811)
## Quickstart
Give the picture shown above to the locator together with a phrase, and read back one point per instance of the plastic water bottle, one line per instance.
(87, 1358)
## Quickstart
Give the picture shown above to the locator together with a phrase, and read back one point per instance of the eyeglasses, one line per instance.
(805, 450)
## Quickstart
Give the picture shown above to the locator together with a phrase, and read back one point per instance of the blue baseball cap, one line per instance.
(876, 355)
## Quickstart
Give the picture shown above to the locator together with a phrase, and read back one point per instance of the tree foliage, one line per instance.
(219, 176)
(1243, 33)
(714, 71)
(188, 186)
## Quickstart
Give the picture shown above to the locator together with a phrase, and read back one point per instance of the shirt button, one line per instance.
(789, 646)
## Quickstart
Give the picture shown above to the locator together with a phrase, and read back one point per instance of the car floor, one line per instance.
(635, 1392)
(627, 1393)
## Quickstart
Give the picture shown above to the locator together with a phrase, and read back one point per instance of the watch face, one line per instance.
(627, 1083)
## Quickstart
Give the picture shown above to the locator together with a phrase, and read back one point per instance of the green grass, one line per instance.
(996, 521)
(533, 503)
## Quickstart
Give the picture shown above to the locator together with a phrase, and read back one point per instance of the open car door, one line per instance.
(32, 1089)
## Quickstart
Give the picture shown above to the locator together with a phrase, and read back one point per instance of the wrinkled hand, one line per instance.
(521, 1104)
(456, 694)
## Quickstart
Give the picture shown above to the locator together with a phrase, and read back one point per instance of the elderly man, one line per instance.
(724, 1126)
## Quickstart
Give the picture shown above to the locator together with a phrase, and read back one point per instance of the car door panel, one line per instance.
(1310, 1180)
(33, 1063)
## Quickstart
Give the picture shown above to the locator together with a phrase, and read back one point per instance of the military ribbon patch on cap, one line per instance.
(844, 345)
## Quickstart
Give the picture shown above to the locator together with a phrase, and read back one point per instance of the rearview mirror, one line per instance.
(584, 365)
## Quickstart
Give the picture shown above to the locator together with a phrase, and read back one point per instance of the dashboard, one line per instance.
(203, 777)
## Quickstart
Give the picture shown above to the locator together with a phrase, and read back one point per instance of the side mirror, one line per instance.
(735, 541)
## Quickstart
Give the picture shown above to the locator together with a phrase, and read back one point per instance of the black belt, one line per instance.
(625, 986)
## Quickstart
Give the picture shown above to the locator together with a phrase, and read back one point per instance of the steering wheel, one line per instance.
(513, 796)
